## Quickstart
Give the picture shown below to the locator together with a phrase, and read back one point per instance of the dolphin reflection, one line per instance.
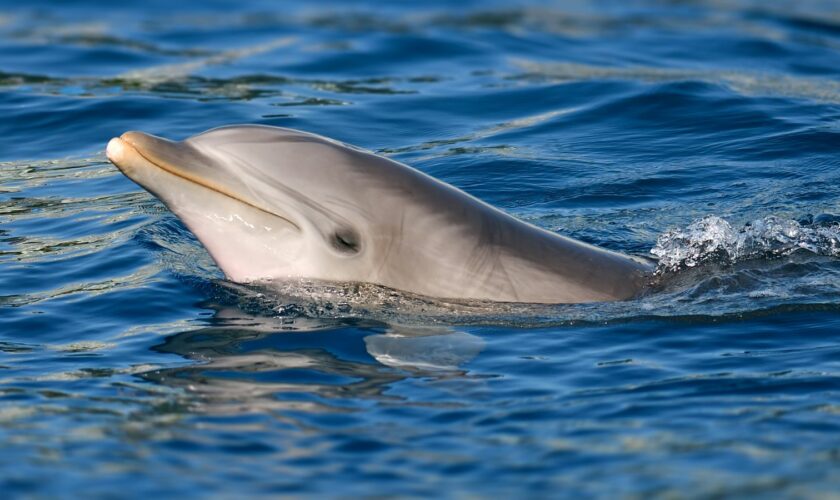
(246, 362)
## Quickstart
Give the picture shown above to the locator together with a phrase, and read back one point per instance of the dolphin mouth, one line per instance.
(163, 154)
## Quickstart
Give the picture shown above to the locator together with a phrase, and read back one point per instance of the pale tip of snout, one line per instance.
(115, 150)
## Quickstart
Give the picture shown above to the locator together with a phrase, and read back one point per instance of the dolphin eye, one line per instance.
(345, 240)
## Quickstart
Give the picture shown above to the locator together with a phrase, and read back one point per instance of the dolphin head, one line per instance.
(267, 202)
(275, 203)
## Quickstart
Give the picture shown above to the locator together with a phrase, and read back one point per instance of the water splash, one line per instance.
(714, 240)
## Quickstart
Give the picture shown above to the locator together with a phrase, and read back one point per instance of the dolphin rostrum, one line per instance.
(276, 203)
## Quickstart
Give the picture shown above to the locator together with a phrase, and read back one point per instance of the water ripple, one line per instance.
(706, 130)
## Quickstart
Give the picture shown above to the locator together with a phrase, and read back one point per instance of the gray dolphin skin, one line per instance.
(273, 203)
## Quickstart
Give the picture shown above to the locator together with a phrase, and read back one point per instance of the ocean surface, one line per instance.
(703, 134)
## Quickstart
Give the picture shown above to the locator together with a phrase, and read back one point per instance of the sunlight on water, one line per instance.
(704, 134)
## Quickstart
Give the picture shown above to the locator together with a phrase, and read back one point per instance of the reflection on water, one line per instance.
(245, 363)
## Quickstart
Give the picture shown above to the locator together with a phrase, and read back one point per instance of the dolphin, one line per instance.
(272, 203)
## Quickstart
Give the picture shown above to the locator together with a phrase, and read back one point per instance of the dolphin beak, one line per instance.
(136, 150)
(142, 157)
(130, 161)
(174, 157)
(156, 149)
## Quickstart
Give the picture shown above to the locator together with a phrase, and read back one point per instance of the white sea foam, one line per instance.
(713, 239)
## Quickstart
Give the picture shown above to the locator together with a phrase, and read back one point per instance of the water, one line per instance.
(707, 132)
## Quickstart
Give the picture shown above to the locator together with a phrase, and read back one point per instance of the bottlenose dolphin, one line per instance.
(276, 203)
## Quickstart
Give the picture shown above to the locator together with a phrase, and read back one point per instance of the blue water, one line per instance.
(708, 132)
